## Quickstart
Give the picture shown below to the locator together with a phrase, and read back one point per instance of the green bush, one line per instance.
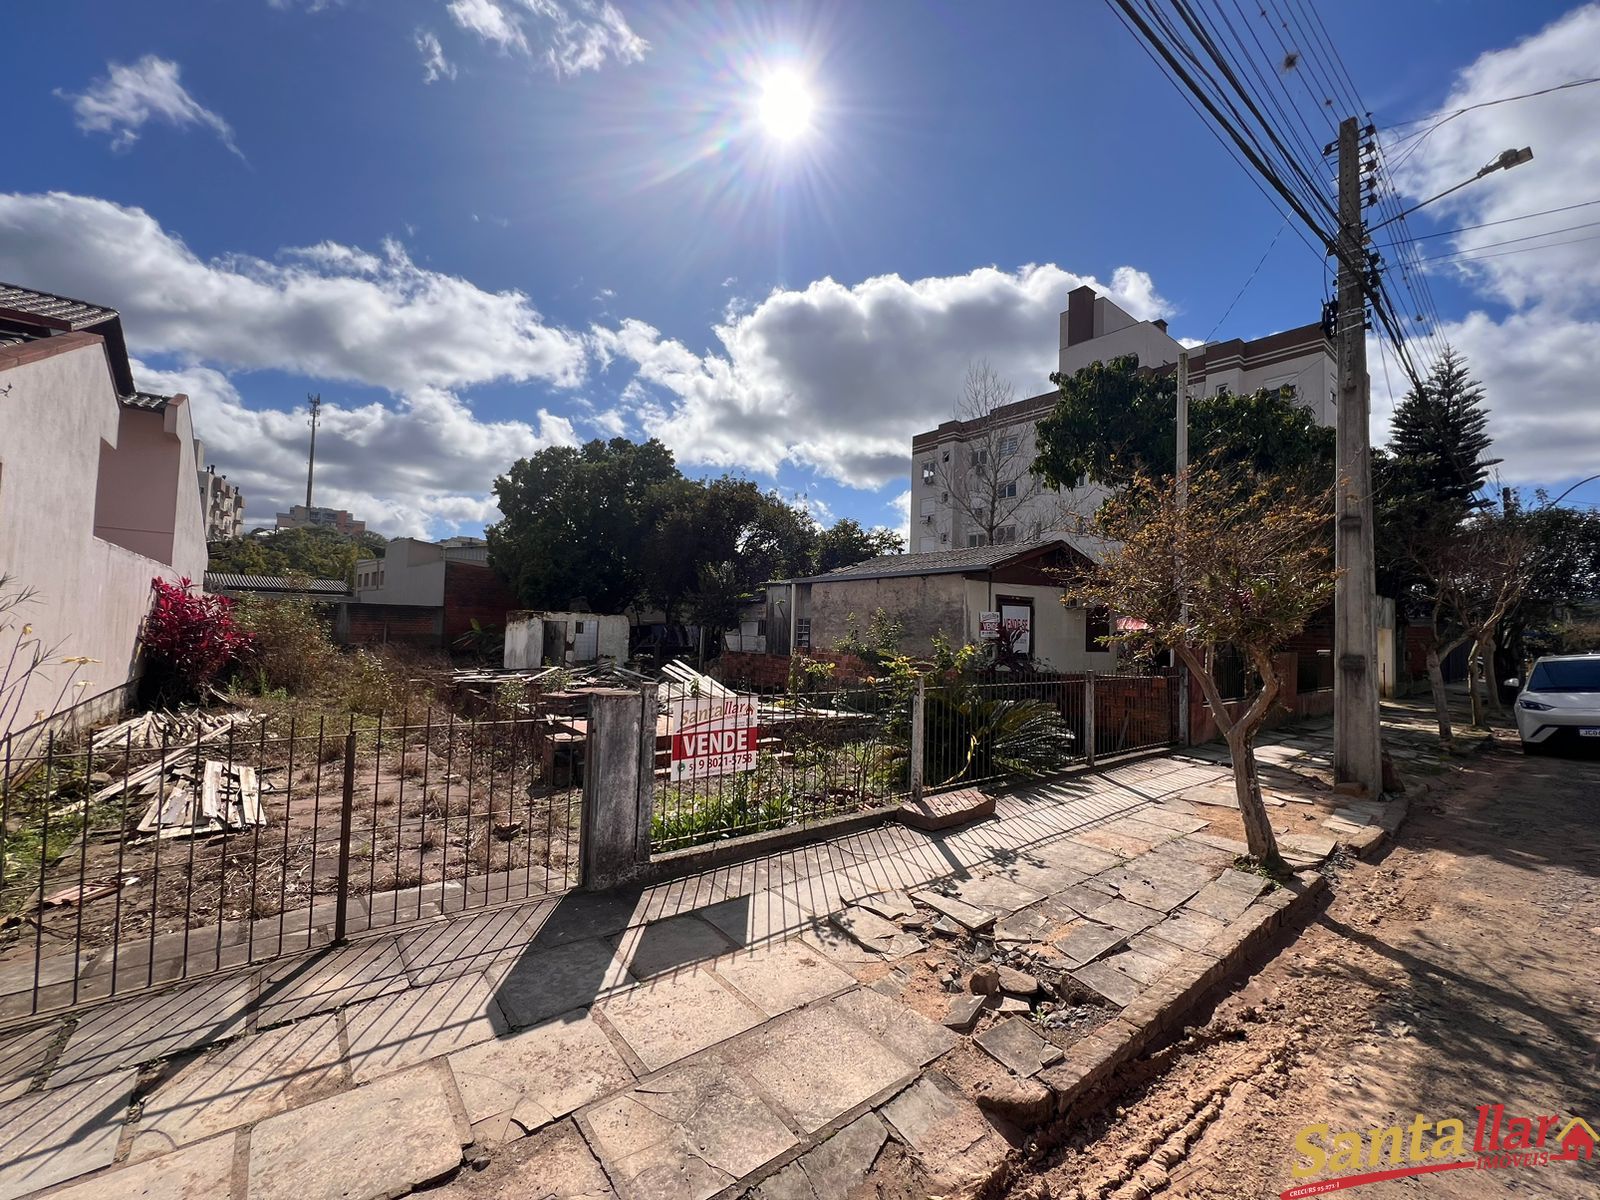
(293, 648)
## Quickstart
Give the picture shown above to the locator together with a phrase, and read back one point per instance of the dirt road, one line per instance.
(1458, 970)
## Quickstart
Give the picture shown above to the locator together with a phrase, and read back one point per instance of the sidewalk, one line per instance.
(777, 1022)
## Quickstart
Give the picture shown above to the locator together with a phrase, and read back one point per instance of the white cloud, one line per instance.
(1537, 363)
(412, 469)
(1565, 168)
(901, 505)
(329, 311)
(838, 377)
(131, 96)
(567, 40)
(435, 65)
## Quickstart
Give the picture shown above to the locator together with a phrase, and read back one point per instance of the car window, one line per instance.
(1576, 675)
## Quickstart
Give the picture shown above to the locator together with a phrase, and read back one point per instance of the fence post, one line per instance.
(618, 782)
(919, 735)
(1089, 734)
(347, 807)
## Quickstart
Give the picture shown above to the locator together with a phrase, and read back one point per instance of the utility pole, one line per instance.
(1357, 742)
(315, 404)
(1183, 503)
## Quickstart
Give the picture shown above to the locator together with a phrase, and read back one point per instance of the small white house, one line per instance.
(566, 639)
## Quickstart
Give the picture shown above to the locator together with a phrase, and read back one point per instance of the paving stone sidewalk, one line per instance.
(774, 1024)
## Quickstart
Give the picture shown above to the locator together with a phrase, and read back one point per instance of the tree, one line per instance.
(1249, 555)
(1563, 579)
(1469, 574)
(846, 543)
(576, 522)
(987, 476)
(1116, 420)
(1439, 436)
(311, 553)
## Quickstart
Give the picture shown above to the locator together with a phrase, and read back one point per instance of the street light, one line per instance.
(1504, 161)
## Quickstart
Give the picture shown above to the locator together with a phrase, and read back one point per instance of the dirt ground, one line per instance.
(1457, 970)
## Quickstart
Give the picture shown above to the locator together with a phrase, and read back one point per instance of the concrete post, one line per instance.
(1088, 717)
(919, 734)
(618, 786)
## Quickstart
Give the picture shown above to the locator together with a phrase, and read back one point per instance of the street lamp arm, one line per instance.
(1504, 162)
(1570, 490)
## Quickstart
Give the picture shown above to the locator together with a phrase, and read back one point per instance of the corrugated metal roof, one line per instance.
(77, 314)
(217, 581)
(943, 562)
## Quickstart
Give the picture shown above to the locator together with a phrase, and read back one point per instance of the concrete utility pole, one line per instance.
(1183, 503)
(1357, 742)
(315, 403)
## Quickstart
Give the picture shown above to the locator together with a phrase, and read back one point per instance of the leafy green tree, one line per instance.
(845, 543)
(312, 553)
(576, 522)
(714, 605)
(1115, 421)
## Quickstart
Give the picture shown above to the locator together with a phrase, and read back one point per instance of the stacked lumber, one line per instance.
(224, 797)
(158, 728)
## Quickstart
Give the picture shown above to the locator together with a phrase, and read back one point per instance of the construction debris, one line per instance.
(157, 729)
(228, 798)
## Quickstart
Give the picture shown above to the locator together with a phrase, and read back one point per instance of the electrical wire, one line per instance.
(1227, 312)
(1512, 241)
(1505, 221)
(1468, 256)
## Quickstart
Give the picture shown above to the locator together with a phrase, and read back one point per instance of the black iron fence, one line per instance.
(128, 866)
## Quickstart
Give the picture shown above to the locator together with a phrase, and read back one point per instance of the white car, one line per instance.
(1560, 703)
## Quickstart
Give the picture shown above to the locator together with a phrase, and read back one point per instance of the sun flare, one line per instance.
(786, 106)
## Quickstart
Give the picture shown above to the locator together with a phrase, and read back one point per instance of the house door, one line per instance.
(585, 641)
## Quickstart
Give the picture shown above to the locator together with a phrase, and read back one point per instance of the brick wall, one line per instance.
(472, 591)
(381, 624)
(770, 672)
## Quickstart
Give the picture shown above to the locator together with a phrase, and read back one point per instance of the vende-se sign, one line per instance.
(713, 736)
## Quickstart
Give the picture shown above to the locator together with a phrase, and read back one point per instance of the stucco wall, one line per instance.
(1058, 631)
(925, 605)
(92, 595)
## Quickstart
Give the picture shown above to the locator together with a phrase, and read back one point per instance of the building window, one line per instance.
(977, 539)
(1097, 630)
(1005, 535)
(802, 633)
(1008, 491)
(1010, 445)
(927, 472)
(980, 457)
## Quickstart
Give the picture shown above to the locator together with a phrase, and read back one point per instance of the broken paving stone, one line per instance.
(1225, 899)
(948, 1135)
(835, 1168)
(1013, 1004)
(963, 1012)
(966, 915)
(947, 927)
(1111, 983)
(876, 933)
(1088, 942)
(1189, 929)
(1124, 915)
(1024, 1102)
(1018, 983)
(892, 905)
(1016, 1045)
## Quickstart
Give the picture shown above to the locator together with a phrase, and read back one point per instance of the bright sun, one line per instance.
(786, 106)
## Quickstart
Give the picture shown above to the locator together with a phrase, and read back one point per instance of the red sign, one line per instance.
(713, 736)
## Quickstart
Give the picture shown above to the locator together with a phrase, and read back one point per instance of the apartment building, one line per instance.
(221, 501)
(970, 483)
(317, 517)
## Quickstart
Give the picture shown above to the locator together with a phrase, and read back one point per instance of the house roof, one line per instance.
(218, 581)
(148, 401)
(948, 562)
(43, 313)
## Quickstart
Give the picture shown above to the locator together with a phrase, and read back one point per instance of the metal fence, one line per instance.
(733, 764)
(128, 867)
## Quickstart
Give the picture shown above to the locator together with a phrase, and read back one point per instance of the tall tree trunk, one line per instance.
(1487, 648)
(1441, 702)
(1475, 688)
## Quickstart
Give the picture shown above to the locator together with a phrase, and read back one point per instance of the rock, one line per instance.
(985, 981)
(1018, 983)
(963, 1012)
(1013, 1004)
(1025, 1102)
(100, 779)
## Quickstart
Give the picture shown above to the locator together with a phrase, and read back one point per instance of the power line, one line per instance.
(1513, 241)
(1505, 221)
(1470, 257)
(1571, 83)
(1227, 312)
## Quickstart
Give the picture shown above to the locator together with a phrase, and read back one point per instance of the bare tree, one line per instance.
(1243, 563)
(986, 475)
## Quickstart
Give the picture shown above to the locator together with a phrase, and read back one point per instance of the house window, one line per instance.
(1005, 535)
(1097, 630)
(927, 472)
(1008, 491)
(977, 539)
(1223, 390)
(802, 633)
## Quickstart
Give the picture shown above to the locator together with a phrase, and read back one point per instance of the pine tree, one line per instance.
(1440, 435)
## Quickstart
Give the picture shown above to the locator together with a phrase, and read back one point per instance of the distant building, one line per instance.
(97, 498)
(948, 463)
(425, 593)
(221, 501)
(338, 519)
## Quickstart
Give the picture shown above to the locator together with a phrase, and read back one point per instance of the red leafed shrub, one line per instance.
(191, 637)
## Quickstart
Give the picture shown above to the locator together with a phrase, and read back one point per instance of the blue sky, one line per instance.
(484, 226)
